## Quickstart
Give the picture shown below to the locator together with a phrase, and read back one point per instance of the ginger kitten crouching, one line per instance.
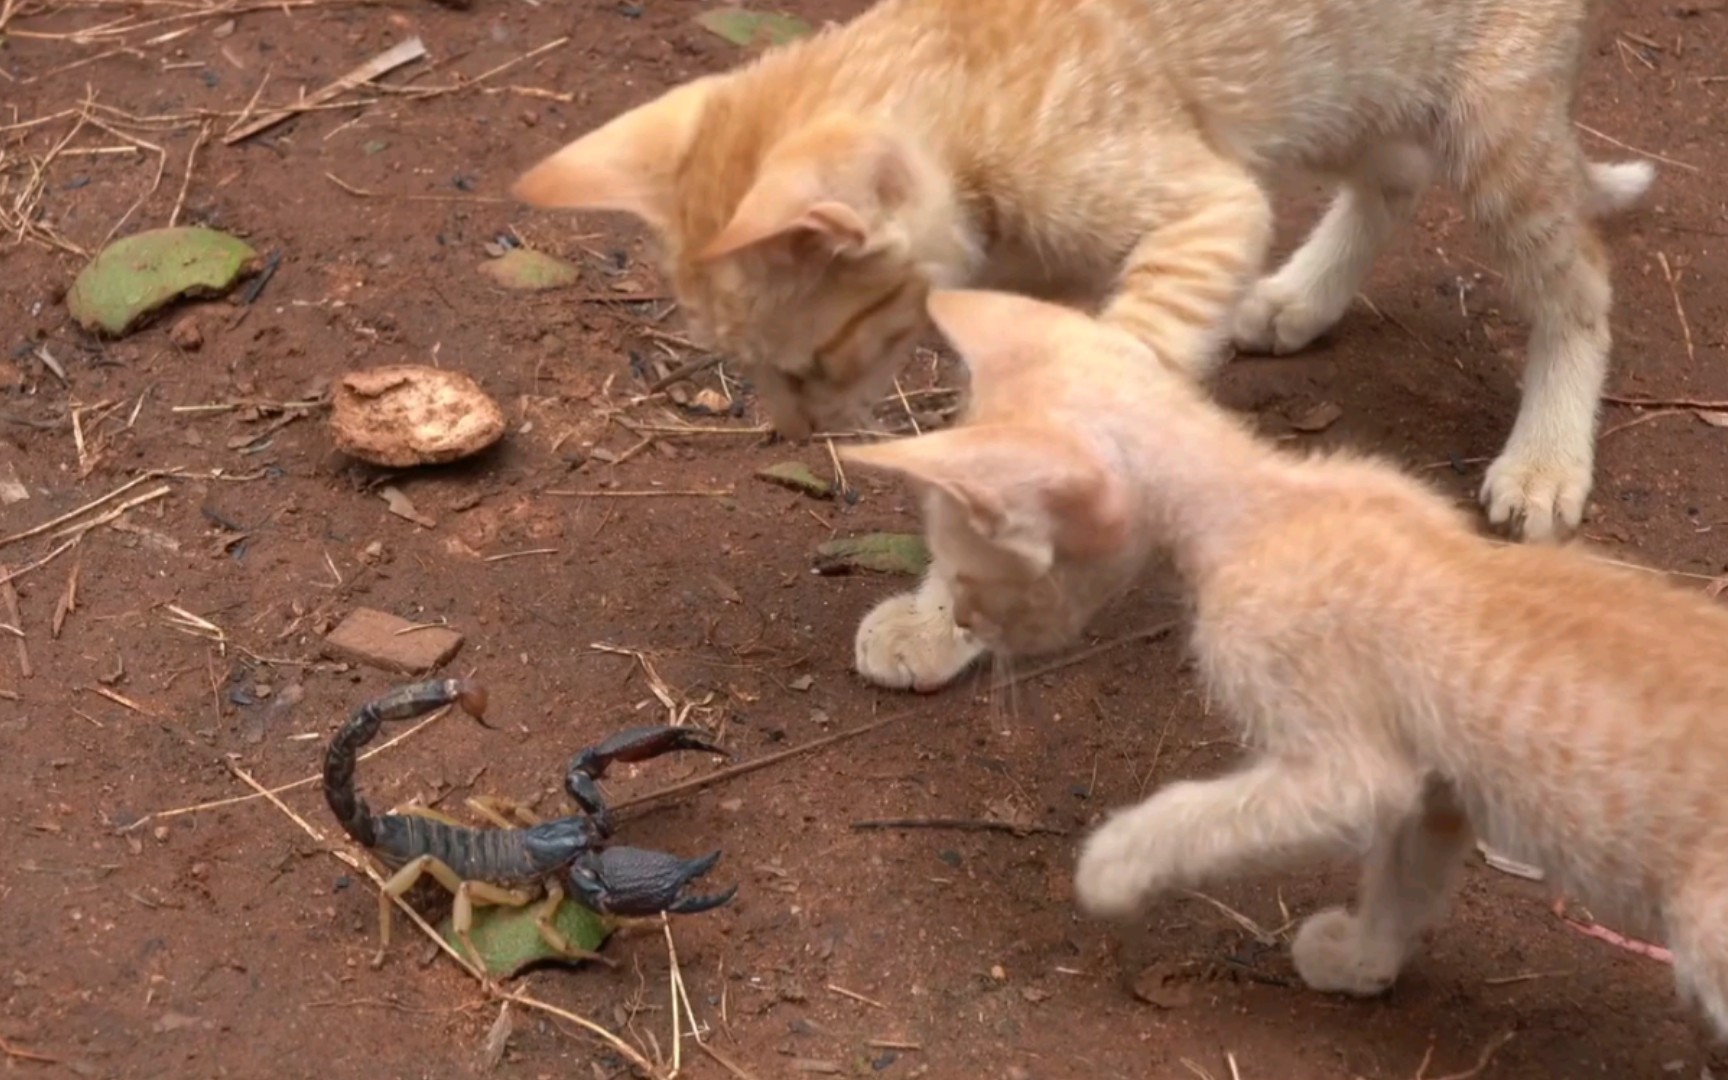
(1116, 150)
(1404, 684)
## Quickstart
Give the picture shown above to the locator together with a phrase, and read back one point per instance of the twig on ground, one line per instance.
(233, 800)
(962, 825)
(38, 530)
(731, 771)
(694, 493)
(1665, 403)
(9, 597)
(389, 60)
(682, 372)
(724, 1063)
(1612, 937)
(1149, 634)
(1629, 148)
(7, 577)
(365, 194)
(508, 555)
(1673, 280)
(1643, 418)
(186, 181)
(855, 996)
(1482, 1060)
(18, 1053)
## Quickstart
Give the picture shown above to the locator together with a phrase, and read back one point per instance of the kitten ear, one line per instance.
(1026, 489)
(625, 164)
(826, 183)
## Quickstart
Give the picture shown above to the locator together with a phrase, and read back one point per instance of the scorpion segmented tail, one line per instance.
(402, 703)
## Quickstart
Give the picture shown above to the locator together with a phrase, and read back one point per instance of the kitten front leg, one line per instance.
(1531, 198)
(1406, 882)
(1268, 813)
(1286, 311)
(1183, 279)
(910, 641)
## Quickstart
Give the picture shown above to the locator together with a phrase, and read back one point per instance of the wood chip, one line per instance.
(377, 639)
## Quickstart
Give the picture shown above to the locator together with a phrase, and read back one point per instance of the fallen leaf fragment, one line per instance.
(509, 941)
(1713, 417)
(749, 29)
(883, 553)
(796, 476)
(135, 276)
(534, 271)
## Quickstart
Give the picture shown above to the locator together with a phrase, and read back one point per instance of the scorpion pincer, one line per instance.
(515, 866)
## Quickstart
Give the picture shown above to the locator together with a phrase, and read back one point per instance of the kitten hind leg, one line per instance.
(910, 641)
(1697, 925)
(1532, 194)
(1406, 882)
(1270, 812)
(1286, 311)
(1184, 278)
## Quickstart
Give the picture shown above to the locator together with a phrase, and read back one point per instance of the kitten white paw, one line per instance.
(1333, 956)
(1536, 495)
(1110, 881)
(1281, 317)
(904, 644)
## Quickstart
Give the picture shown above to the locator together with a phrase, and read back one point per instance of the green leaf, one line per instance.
(797, 476)
(884, 553)
(752, 28)
(520, 268)
(135, 276)
(509, 941)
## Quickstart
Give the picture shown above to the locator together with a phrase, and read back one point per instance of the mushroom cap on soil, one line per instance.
(407, 414)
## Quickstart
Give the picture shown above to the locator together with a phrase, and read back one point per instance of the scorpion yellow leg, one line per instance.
(498, 810)
(399, 884)
(554, 937)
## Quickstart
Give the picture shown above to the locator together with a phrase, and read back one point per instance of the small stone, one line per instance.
(374, 638)
(997, 973)
(372, 552)
(186, 333)
(803, 683)
(160, 832)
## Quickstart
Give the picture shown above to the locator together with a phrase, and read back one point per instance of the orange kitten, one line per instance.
(1403, 682)
(1117, 149)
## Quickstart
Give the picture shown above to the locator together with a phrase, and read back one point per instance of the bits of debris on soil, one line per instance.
(520, 268)
(407, 414)
(187, 334)
(381, 640)
(1163, 985)
(884, 553)
(796, 476)
(1317, 418)
(139, 274)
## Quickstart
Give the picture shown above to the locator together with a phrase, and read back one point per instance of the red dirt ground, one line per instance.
(227, 942)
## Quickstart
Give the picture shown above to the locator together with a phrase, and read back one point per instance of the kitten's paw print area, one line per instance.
(1109, 881)
(1534, 495)
(1279, 317)
(904, 646)
(1334, 955)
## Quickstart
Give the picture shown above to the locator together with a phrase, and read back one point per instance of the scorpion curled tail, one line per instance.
(402, 703)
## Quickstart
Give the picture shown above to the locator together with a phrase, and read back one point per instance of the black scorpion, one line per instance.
(514, 866)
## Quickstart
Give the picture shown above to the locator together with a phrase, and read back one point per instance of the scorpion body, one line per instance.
(514, 866)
